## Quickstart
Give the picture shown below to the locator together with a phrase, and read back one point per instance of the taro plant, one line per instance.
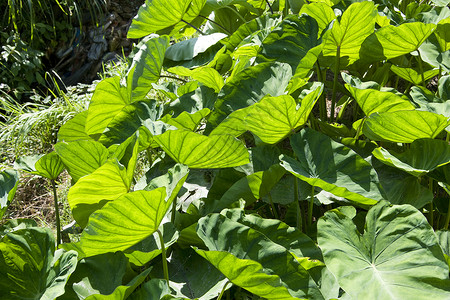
(300, 151)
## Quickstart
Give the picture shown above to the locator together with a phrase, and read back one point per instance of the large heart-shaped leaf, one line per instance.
(372, 101)
(155, 15)
(321, 12)
(290, 41)
(29, 266)
(146, 66)
(243, 237)
(107, 183)
(248, 274)
(397, 257)
(404, 126)
(273, 118)
(74, 129)
(9, 180)
(131, 217)
(109, 98)
(333, 167)
(199, 151)
(82, 157)
(390, 41)
(250, 86)
(345, 37)
(423, 156)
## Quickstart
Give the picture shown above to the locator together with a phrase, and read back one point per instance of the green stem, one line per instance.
(174, 208)
(335, 82)
(322, 100)
(164, 258)
(58, 221)
(421, 69)
(223, 290)
(431, 219)
(310, 208)
(447, 218)
(238, 14)
(297, 203)
(274, 209)
(196, 28)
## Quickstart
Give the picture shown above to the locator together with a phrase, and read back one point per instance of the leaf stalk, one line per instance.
(58, 220)
(335, 82)
(164, 258)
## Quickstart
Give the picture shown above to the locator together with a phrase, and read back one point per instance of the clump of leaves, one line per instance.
(250, 193)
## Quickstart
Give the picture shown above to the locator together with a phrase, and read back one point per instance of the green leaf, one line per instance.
(132, 217)
(90, 193)
(29, 267)
(444, 241)
(390, 41)
(199, 151)
(401, 187)
(397, 257)
(412, 75)
(74, 129)
(357, 23)
(109, 98)
(9, 180)
(186, 120)
(100, 274)
(190, 275)
(82, 157)
(123, 291)
(152, 289)
(250, 86)
(126, 122)
(423, 156)
(245, 236)
(321, 12)
(443, 35)
(256, 29)
(404, 126)
(49, 166)
(188, 49)
(156, 15)
(333, 167)
(372, 101)
(12, 225)
(206, 75)
(145, 68)
(273, 118)
(290, 41)
(247, 274)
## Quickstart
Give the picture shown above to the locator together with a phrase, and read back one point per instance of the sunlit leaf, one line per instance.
(398, 256)
(347, 35)
(155, 15)
(372, 101)
(404, 126)
(81, 157)
(273, 118)
(391, 41)
(91, 192)
(199, 151)
(49, 166)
